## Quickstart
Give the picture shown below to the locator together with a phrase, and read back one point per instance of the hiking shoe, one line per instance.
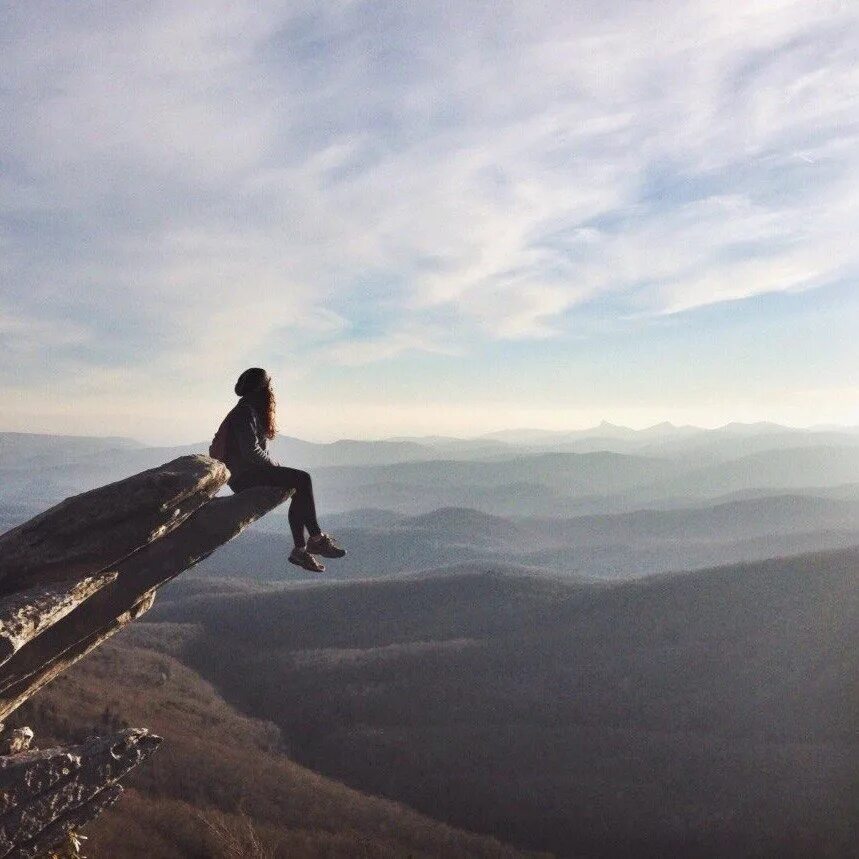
(302, 558)
(322, 544)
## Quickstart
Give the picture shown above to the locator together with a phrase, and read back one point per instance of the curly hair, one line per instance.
(268, 410)
(265, 404)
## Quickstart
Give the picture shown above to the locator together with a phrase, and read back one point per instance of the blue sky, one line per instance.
(428, 217)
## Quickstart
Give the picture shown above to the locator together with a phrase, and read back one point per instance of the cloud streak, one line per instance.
(190, 186)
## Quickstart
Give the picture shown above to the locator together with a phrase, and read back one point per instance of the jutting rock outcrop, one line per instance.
(44, 795)
(70, 578)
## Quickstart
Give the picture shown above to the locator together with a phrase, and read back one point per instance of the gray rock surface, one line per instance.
(70, 578)
(26, 614)
(83, 534)
(45, 794)
(17, 740)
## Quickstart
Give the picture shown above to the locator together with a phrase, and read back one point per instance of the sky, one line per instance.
(428, 217)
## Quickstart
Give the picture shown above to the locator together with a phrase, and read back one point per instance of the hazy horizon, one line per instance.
(494, 432)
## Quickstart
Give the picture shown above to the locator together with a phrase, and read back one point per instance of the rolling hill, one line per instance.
(218, 769)
(707, 714)
(571, 474)
(610, 546)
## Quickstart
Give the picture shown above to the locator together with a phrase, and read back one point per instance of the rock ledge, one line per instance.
(70, 578)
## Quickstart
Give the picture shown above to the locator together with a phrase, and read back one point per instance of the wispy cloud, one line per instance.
(355, 352)
(187, 187)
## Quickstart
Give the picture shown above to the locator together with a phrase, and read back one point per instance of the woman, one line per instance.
(241, 444)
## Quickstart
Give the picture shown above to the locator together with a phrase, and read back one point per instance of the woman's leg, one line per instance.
(302, 508)
(296, 525)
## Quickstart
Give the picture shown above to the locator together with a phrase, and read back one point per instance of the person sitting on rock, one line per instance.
(240, 444)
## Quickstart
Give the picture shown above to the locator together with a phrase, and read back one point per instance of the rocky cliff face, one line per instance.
(72, 577)
(44, 795)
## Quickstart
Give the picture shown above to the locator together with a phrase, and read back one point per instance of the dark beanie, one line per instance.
(252, 380)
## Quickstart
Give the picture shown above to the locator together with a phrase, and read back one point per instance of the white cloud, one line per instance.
(27, 338)
(355, 352)
(193, 183)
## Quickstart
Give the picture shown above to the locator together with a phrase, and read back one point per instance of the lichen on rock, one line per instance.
(45, 794)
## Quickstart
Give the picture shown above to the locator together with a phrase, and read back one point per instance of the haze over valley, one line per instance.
(609, 503)
(602, 643)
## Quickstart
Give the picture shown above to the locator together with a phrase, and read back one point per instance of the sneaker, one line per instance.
(324, 545)
(302, 558)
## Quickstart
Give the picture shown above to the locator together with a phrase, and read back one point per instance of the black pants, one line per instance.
(302, 508)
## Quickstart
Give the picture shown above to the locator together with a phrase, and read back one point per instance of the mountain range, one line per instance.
(608, 643)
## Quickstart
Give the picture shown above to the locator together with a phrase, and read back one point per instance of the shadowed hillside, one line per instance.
(703, 714)
(223, 766)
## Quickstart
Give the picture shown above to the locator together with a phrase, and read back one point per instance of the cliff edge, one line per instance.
(69, 579)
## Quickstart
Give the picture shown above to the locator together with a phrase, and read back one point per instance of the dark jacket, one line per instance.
(246, 441)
